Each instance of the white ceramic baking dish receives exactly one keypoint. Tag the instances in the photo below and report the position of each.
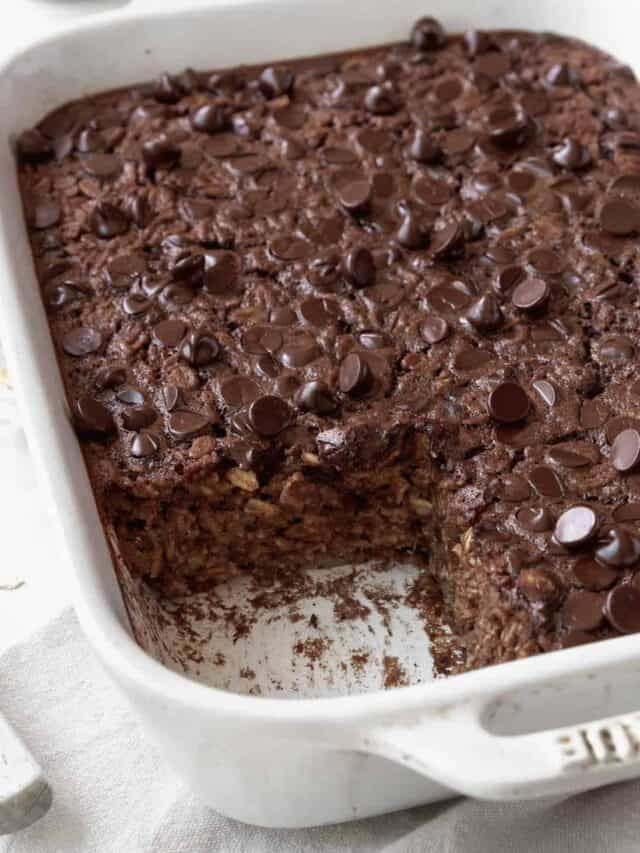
(322, 758)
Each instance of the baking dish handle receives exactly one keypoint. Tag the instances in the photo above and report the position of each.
(454, 748)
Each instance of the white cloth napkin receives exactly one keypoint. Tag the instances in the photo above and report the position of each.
(113, 794)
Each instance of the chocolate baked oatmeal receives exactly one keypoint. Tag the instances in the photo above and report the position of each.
(368, 305)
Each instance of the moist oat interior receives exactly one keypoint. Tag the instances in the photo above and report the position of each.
(360, 306)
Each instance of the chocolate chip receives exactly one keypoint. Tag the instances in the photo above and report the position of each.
(276, 81)
(90, 140)
(477, 42)
(448, 241)
(572, 155)
(540, 586)
(546, 261)
(617, 348)
(160, 153)
(546, 391)
(531, 294)
(169, 333)
(594, 576)
(221, 273)
(509, 278)
(434, 329)
(33, 147)
(567, 458)
(411, 234)
(508, 127)
(381, 100)
(627, 512)
(424, 148)
(290, 248)
(576, 526)
(546, 482)
(167, 90)
(185, 424)
(135, 304)
(514, 489)
(508, 403)
(138, 417)
(106, 220)
(316, 397)
(81, 341)
(130, 396)
(617, 548)
(143, 445)
(583, 610)
(360, 267)
(428, 34)
(430, 192)
(485, 314)
(561, 74)
(354, 196)
(261, 339)
(170, 397)
(622, 608)
(535, 519)
(93, 418)
(355, 377)
(239, 391)
(124, 271)
(111, 377)
(44, 213)
(269, 415)
(209, 118)
(199, 349)
(102, 165)
(620, 218)
(625, 451)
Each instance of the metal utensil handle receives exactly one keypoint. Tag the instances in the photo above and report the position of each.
(24, 793)
(456, 749)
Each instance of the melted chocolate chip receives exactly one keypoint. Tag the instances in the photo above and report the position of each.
(269, 415)
(138, 417)
(185, 424)
(537, 520)
(108, 221)
(434, 329)
(199, 349)
(622, 608)
(583, 610)
(381, 100)
(169, 333)
(620, 218)
(424, 148)
(82, 341)
(594, 576)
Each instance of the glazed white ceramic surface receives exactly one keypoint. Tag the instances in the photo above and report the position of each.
(517, 730)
